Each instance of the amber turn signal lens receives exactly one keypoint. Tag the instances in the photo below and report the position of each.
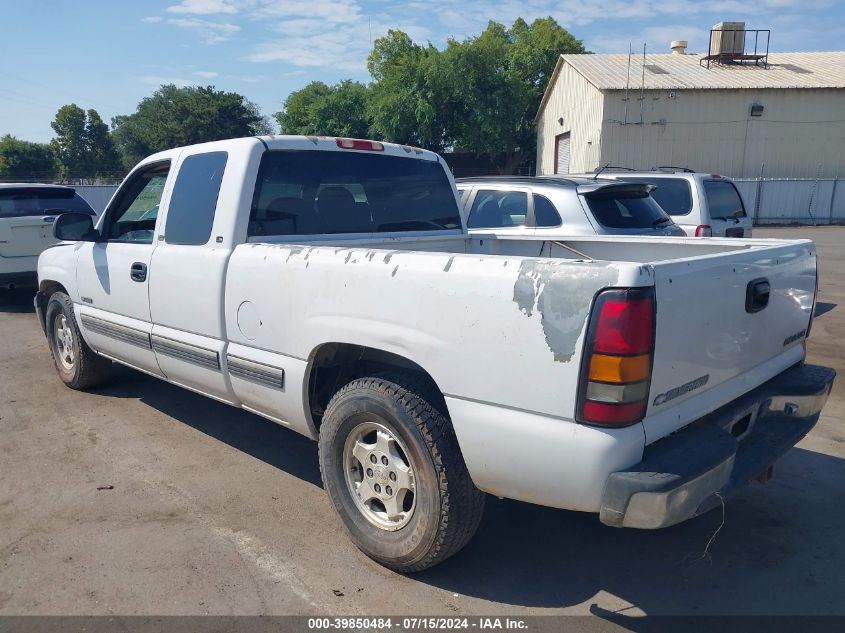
(619, 369)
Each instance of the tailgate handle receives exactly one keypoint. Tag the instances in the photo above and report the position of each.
(757, 295)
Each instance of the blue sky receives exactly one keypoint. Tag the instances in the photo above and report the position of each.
(108, 55)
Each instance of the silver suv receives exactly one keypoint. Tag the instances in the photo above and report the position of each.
(701, 204)
(556, 207)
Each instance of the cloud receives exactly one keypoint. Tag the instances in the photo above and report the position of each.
(202, 7)
(324, 34)
(211, 32)
(206, 74)
(656, 38)
(154, 80)
(152, 19)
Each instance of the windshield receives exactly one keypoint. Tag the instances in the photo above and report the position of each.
(313, 192)
(673, 194)
(723, 200)
(25, 201)
(626, 209)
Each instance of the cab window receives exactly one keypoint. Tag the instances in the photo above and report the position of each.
(132, 218)
(190, 213)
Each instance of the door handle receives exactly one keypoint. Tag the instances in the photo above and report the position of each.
(138, 272)
(757, 295)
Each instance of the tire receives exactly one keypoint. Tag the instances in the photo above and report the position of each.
(442, 512)
(78, 365)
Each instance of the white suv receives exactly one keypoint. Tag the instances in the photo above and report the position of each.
(27, 213)
(703, 205)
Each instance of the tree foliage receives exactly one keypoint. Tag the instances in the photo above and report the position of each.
(480, 94)
(83, 147)
(413, 97)
(502, 76)
(21, 160)
(318, 109)
(174, 116)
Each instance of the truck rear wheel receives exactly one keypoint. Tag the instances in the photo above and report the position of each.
(393, 470)
(78, 365)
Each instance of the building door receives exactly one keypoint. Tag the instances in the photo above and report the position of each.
(562, 153)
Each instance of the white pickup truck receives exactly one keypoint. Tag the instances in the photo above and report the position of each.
(330, 285)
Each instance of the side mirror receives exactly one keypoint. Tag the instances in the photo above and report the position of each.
(75, 227)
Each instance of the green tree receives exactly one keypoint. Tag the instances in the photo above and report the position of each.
(83, 145)
(413, 97)
(318, 109)
(70, 145)
(22, 160)
(480, 94)
(174, 116)
(502, 76)
(103, 158)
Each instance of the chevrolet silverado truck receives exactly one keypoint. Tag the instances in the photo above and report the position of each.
(330, 286)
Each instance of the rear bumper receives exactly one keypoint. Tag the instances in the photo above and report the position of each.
(685, 474)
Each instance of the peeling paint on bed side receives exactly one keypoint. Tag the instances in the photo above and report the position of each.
(562, 294)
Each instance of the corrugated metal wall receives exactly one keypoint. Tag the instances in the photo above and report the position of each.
(579, 103)
(794, 201)
(800, 134)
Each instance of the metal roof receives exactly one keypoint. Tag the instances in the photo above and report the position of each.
(665, 71)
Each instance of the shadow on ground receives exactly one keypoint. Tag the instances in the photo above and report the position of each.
(18, 300)
(823, 308)
(765, 558)
(251, 434)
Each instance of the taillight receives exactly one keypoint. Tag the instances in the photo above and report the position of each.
(703, 230)
(358, 143)
(616, 370)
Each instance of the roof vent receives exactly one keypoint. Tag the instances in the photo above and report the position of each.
(679, 47)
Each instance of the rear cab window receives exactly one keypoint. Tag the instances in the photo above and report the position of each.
(673, 194)
(498, 209)
(20, 202)
(190, 213)
(622, 208)
(723, 200)
(317, 192)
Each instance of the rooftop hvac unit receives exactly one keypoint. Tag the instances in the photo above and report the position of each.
(728, 38)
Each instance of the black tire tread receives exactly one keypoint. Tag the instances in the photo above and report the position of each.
(462, 504)
(93, 368)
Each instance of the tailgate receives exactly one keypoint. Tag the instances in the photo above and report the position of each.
(714, 339)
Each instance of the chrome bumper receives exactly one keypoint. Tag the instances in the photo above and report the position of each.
(686, 473)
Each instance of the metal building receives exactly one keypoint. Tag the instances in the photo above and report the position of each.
(780, 115)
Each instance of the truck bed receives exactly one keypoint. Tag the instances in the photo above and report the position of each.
(537, 295)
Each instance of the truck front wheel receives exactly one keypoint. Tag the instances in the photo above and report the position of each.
(78, 365)
(393, 470)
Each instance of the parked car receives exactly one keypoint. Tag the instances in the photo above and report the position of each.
(554, 207)
(330, 285)
(703, 205)
(27, 212)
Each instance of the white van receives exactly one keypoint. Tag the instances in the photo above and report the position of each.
(703, 205)
(27, 213)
